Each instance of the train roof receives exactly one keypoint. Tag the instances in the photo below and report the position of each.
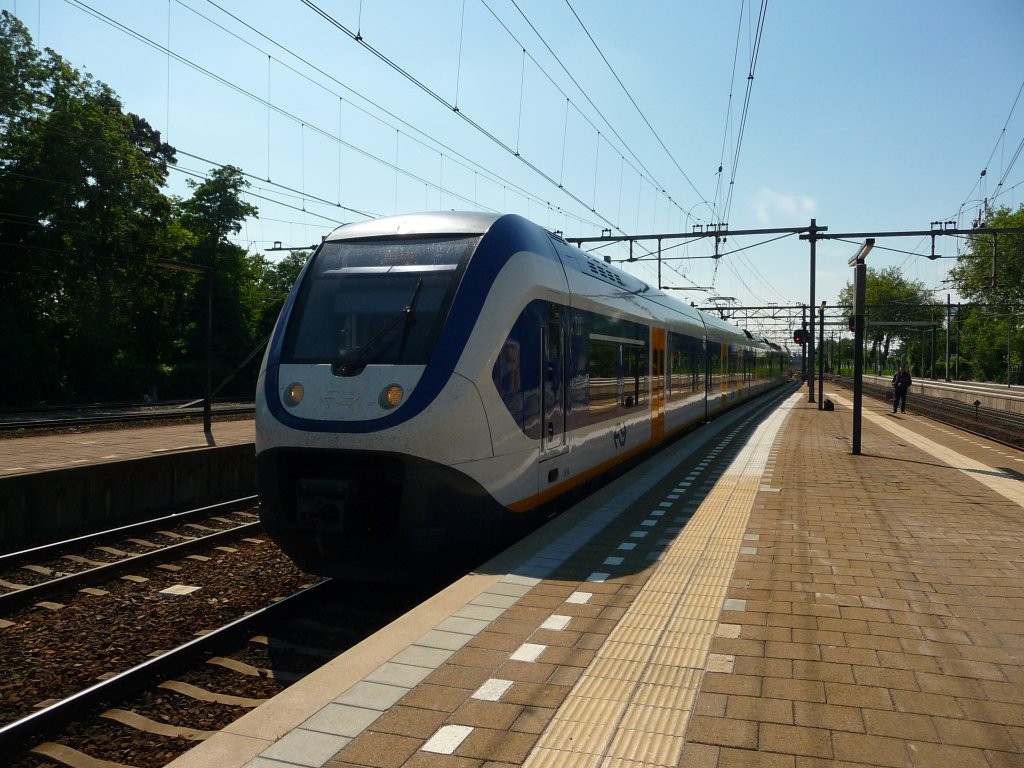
(441, 222)
(478, 223)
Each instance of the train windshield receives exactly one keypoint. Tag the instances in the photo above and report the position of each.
(375, 301)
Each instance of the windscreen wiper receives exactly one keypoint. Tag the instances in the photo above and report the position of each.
(354, 361)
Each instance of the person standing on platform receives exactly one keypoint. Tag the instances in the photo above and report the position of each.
(900, 384)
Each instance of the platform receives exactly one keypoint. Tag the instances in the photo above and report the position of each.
(39, 453)
(788, 604)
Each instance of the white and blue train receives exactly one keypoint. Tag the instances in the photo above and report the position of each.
(435, 380)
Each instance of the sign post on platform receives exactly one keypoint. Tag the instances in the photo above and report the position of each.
(860, 283)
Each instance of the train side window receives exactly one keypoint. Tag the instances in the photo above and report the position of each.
(604, 381)
(686, 365)
(634, 369)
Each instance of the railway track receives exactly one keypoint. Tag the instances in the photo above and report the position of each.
(65, 566)
(135, 671)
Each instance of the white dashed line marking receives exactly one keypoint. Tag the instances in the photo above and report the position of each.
(447, 739)
(528, 652)
(556, 622)
(492, 690)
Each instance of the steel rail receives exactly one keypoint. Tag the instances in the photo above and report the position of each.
(11, 559)
(19, 597)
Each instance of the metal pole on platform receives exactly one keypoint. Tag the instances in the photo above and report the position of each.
(949, 327)
(813, 231)
(821, 357)
(860, 279)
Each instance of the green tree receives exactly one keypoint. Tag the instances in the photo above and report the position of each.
(891, 301)
(81, 227)
(990, 274)
(215, 211)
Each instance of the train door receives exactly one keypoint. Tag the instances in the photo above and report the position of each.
(553, 389)
(657, 384)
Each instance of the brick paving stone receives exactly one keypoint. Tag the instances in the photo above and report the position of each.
(436, 697)
(378, 750)
(998, 712)
(997, 691)
(954, 686)
(843, 695)
(486, 714)
(794, 690)
(711, 704)
(927, 703)
(533, 720)
(758, 667)
(526, 672)
(824, 671)
(872, 750)
(564, 676)
(722, 732)
(746, 758)
(536, 695)
(830, 716)
(570, 657)
(885, 678)
(699, 755)
(495, 641)
(498, 745)
(759, 709)
(409, 721)
(967, 733)
(949, 755)
(742, 685)
(458, 676)
(794, 740)
(1004, 759)
(909, 661)
(432, 760)
(479, 657)
(900, 725)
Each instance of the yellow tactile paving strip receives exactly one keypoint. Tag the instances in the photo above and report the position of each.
(632, 705)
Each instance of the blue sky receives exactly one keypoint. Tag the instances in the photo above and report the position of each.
(867, 116)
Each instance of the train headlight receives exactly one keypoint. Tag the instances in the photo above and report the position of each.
(293, 394)
(391, 396)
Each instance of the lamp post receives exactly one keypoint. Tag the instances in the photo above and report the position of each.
(182, 266)
(860, 275)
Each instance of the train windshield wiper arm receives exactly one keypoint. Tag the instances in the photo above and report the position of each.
(353, 362)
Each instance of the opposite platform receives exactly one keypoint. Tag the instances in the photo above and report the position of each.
(799, 606)
(41, 453)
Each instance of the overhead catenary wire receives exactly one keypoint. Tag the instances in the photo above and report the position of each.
(271, 106)
(633, 102)
(626, 148)
(984, 171)
(453, 154)
(452, 108)
(755, 52)
(258, 99)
